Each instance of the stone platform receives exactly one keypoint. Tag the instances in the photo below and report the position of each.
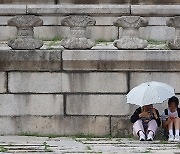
(64, 145)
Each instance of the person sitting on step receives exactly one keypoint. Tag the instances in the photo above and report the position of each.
(145, 122)
(171, 120)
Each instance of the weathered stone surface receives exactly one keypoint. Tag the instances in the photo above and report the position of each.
(172, 79)
(97, 105)
(67, 82)
(98, 10)
(35, 82)
(121, 126)
(25, 34)
(3, 82)
(12, 9)
(7, 32)
(174, 22)
(27, 2)
(143, 60)
(77, 38)
(102, 33)
(155, 10)
(60, 125)
(95, 82)
(39, 60)
(130, 37)
(159, 33)
(19, 105)
(156, 21)
(51, 32)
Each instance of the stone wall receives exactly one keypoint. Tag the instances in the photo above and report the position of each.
(102, 30)
(82, 90)
(70, 92)
(89, 1)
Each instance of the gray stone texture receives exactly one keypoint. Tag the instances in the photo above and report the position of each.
(124, 60)
(30, 60)
(155, 10)
(97, 105)
(25, 35)
(3, 82)
(77, 38)
(91, 9)
(20, 105)
(130, 37)
(57, 125)
(67, 82)
(174, 22)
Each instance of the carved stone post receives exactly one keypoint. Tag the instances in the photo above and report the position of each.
(130, 37)
(174, 22)
(77, 38)
(25, 35)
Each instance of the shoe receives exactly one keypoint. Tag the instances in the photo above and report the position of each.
(142, 137)
(149, 137)
(176, 138)
(171, 138)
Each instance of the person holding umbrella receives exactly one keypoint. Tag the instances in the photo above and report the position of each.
(171, 120)
(145, 122)
(146, 119)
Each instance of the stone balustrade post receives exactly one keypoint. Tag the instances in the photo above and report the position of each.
(77, 38)
(174, 22)
(25, 32)
(130, 37)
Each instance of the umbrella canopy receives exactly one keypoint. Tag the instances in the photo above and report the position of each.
(150, 93)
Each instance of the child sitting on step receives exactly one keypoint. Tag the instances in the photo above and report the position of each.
(171, 120)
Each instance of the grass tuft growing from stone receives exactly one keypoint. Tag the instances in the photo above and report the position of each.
(3, 149)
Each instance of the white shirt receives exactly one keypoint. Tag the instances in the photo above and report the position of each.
(173, 114)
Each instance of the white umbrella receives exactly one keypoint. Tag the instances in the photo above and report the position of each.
(150, 93)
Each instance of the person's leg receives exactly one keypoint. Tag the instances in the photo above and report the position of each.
(177, 128)
(170, 129)
(138, 130)
(151, 131)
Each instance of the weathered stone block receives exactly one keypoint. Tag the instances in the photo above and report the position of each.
(29, 1)
(51, 32)
(97, 105)
(172, 79)
(157, 33)
(75, 82)
(121, 126)
(3, 82)
(35, 82)
(7, 32)
(39, 60)
(156, 21)
(104, 33)
(12, 9)
(143, 60)
(94, 82)
(98, 10)
(155, 10)
(19, 105)
(59, 125)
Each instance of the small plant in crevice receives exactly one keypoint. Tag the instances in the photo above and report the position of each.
(46, 147)
(3, 149)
